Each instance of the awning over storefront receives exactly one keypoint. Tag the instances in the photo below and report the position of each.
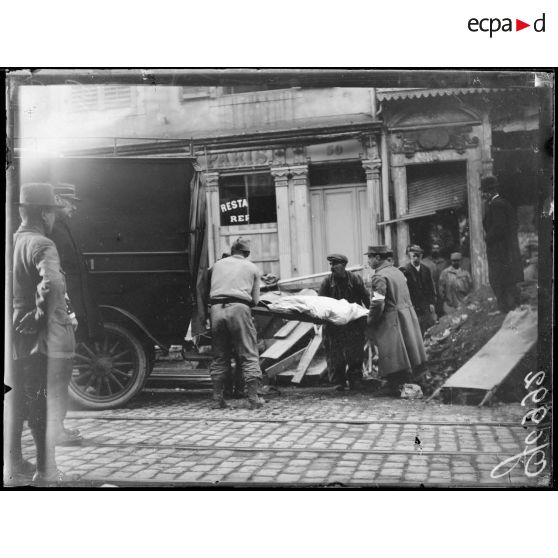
(405, 93)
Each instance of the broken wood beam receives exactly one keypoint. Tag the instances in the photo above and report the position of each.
(287, 363)
(282, 346)
(286, 330)
(307, 358)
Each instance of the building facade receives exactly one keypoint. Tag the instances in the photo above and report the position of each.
(304, 172)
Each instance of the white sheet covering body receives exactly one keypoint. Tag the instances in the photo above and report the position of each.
(338, 312)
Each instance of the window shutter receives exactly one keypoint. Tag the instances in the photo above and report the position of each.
(444, 189)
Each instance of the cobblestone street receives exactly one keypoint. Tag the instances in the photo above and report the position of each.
(304, 436)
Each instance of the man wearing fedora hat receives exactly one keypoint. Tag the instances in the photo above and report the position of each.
(344, 345)
(392, 322)
(505, 268)
(421, 288)
(43, 336)
(89, 322)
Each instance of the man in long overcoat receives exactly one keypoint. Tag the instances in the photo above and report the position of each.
(421, 288)
(89, 322)
(505, 268)
(392, 322)
(43, 337)
(344, 344)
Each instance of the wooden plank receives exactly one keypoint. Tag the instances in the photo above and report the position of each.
(247, 232)
(281, 346)
(287, 364)
(490, 366)
(318, 367)
(307, 357)
(286, 330)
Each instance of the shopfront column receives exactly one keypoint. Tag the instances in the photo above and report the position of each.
(303, 261)
(479, 265)
(281, 178)
(213, 215)
(399, 176)
(372, 168)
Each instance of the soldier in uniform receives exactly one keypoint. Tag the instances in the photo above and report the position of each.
(392, 322)
(344, 344)
(43, 337)
(234, 287)
(89, 322)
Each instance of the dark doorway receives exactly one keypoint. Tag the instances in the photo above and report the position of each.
(437, 196)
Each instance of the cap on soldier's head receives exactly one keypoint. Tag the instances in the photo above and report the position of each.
(38, 194)
(379, 250)
(240, 245)
(66, 191)
(456, 256)
(338, 258)
(415, 248)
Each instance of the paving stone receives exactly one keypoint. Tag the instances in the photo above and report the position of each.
(311, 467)
(189, 476)
(283, 477)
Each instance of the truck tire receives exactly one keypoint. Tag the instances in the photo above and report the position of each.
(108, 374)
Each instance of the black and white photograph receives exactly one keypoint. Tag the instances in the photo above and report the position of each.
(279, 278)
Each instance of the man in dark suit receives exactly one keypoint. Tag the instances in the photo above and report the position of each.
(505, 268)
(421, 288)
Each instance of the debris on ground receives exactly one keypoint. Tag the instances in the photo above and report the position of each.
(459, 335)
(508, 347)
(411, 391)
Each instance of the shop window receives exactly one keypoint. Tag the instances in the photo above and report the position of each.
(247, 199)
(337, 174)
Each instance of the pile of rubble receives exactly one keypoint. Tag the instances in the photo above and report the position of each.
(458, 336)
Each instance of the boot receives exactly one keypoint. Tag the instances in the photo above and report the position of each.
(218, 389)
(18, 474)
(53, 477)
(45, 454)
(252, 388)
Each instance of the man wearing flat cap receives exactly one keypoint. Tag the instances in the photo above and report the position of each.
(344, 345)
(392, 322)
(455, 284)
(421, 288)
(43, 337)
(505, 268)
(85, 310)
(234, 287)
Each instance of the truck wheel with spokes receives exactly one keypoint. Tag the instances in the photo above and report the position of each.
(108, 373)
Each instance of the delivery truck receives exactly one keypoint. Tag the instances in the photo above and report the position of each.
(141, 228)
